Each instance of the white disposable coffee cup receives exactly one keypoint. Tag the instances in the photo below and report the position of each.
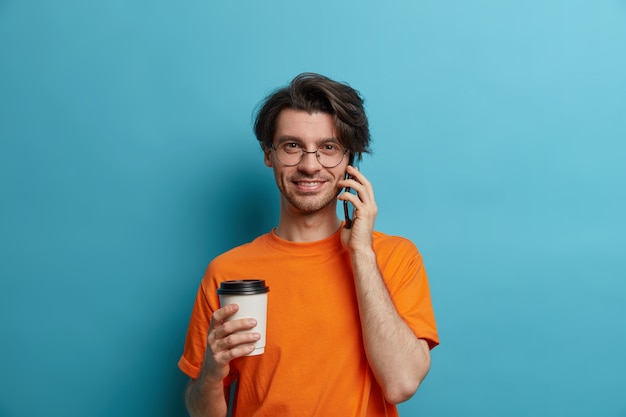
(251, 297)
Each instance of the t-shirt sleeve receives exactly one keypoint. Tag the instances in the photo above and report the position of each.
(195, 343)
(207, 301)
(405, 276)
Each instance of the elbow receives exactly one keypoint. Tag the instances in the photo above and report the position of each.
(400, 393)
(402, 388)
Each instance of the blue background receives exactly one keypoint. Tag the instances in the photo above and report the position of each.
(127, 162)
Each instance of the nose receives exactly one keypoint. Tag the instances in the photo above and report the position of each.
(309, 162)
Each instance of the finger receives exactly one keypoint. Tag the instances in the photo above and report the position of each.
(238, 339)
(351, 197)
(359, 190)
(356, 174)
(218, 320)
(234, 353)
(221, 359)
(220, 346)
(364, 193)
(355, 179)
(234, 326)
(221, 314)
(235, 345)
(360, 178)
(362, 186)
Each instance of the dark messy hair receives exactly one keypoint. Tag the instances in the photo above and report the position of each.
(316, 93)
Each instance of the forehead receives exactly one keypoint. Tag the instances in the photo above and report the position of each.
(305, 127)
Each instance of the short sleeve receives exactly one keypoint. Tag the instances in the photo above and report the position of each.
(404, 273)
(207, 301)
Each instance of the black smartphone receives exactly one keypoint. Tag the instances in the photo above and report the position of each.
(348, 208)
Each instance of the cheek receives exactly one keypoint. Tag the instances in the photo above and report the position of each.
(341, 173)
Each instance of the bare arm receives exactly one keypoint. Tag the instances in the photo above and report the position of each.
(399, 360)
(206, 396)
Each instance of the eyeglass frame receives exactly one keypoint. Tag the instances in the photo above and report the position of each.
(317, 156)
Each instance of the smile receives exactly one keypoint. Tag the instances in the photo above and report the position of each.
(309, 185)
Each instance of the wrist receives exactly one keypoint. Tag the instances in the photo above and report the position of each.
(363, 255)
(210, 382)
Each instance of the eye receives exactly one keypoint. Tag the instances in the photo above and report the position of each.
(291, 147)
(330, 148)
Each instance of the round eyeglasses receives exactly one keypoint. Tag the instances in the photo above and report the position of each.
(328, 154)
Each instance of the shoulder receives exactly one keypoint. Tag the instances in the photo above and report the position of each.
(389, 244)
(400, 263)
(238, 255)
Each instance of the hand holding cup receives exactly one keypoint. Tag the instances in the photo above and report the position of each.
(251, 298)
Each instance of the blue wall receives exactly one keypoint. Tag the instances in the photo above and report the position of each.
(127, 162)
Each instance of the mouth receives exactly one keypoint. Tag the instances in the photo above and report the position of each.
(309, 185)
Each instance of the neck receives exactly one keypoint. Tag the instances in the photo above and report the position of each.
(308, 227)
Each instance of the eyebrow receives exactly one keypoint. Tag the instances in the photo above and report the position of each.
(288, 138)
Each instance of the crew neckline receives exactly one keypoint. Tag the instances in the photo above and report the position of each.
(331, 243)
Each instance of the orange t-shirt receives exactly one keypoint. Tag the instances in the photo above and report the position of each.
(314, 362)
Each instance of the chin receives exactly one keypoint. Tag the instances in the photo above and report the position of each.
(309, 205)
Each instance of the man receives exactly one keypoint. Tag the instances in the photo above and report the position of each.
(350, 323)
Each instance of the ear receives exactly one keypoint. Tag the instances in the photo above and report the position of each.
(268, 157)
